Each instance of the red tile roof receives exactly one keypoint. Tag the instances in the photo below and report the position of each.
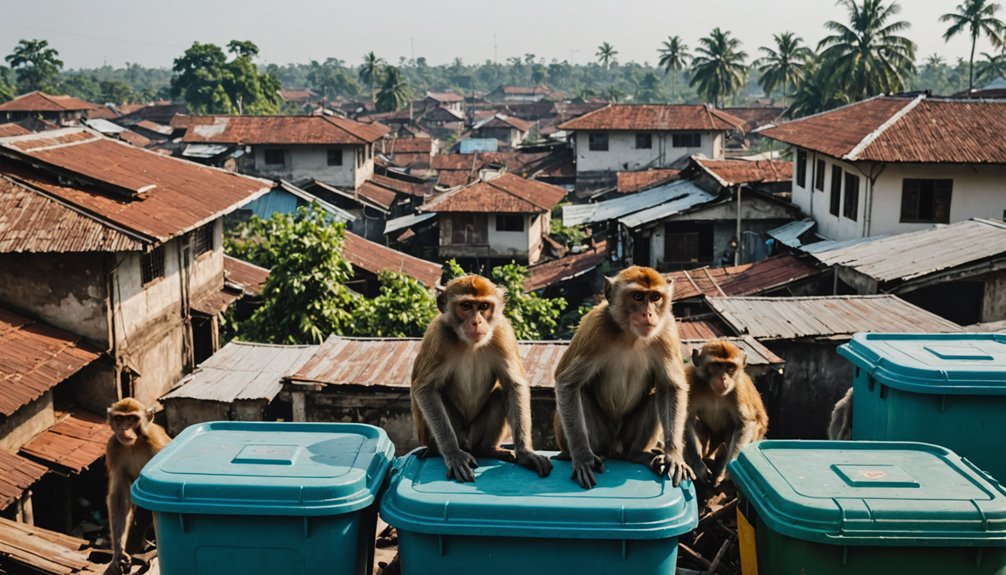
(150, 194)
(248, 276)
(732, 172)
(291, 130)
(17, 475)
(74, 443)
(42, 102)
(34, 358)
(565, 268)
(657, 117)
(898, 129)
(375, 258)
(505, 193)
(629, 182)
(13, 129)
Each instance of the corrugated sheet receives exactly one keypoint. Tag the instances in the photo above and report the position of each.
(401, 186)
(216, 301)
(376, 194)
(253, 130)
(703, 329)
(916, 254)
(337, 213)
(11, 129)
(789, 234)
(34, 358)
(408, 221)
(734, 172)
(103, 126)
(566, 268)
(770, 274)
(376, 258)
(658, 117)
(619, 207)
(693, 198)
(507, 193)
(702, 281)
(248, 276)
(30, 549)
(836, 317)
(242, 371)
(17, 475)
(629, 182)
(74, 443)
(42, 102)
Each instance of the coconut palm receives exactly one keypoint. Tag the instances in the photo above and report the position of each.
(605, 54)
(815, 94)
(783, 65)
(867, 56)
(370, 72)
(976, 17)
(673, 56)
(394, 91)
(992, 66)
(719, 70)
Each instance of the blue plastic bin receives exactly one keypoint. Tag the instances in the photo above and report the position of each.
(251, 497)
(947, 389)
(511, 521)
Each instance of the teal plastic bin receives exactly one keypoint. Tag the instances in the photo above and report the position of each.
(947, 389)
(866, 508)
(250, 497)
(510, 521)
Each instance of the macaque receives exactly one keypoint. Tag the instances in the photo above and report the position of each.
(841, 418)
(620, 386)
(723, 408)
(468, 383)
(136, 440)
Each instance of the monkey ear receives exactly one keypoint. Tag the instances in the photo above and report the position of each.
(695, 356)
(608, 287)
(744, 359)
(150, 414)
(442, 302)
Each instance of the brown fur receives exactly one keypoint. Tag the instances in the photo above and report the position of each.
(620, 386)
(840, 427)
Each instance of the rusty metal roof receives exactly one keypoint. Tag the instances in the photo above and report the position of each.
(506, 193)
(387, 362)
(408, 146)
(17, 475)
(42, 102)
(152, 195)
(247, 276)
(656, 117)
(216, 301)
(703, 329)
(444, 96)
(290, 130)
(34, 358)
(30, 549)
(505, 121)
(628, 182)
(566, 268)
(744, 279)
(11, 129)
(828, 317)
(375, 258)
(733, 172)
(74, 443)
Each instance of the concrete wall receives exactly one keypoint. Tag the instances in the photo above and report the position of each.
(994, 302)
(311, 162)
(622, 153)
(521, 246)
(183, 412)
(24, 424)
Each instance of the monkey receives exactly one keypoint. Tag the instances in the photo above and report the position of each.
(468, 383)
(724, 407)
(841, 418)
(620, 386)
(135, 440)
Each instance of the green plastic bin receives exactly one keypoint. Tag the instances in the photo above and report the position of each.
(947, 389)
(251, 497)
(866, 508)
(510, 521)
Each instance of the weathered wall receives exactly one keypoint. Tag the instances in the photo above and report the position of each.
(622, 154)
(94, 387)
(815, 378)
(311, 162)
(183, 412)
(27, 422)
(994, 302)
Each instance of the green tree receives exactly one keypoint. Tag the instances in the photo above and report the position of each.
(719, 70)
(116, 92)
(606, 54)
(648, 90)
(783, 65)
(394, 91)
(532, 316)
(673, 56)
(815, 94)
(370, 72)
(868, 56)
(36, 64)
(613, 95)
(991, 66)
(975, 17)
(210, 84)
(403, 309)
(249, 91)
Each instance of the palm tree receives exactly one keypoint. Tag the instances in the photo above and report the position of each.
(394, 91)
(605, 54)
(673, 56)
(785, 64)
(868, 56)
(370, 72)
(992, 66)
(977, 17)
(815, 94)
(719, 70)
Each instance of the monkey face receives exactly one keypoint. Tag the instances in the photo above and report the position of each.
(721, 377)
(646, 313)
(125, 427)
(475, 320)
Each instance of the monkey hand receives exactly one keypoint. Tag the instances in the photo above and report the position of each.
(584, 468)
(672, 464)
(534, 461)
(460, 465)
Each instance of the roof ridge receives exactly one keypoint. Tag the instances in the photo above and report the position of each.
(874, 135)
(330, 119)
(801, 119)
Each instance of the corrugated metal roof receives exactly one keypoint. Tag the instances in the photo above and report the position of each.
(789, 234)
(388, 362)
(247, 276)
(242, 371)
(732, 172)
(703, 329)
(916, 254)
(565, 268)
(408, 221)
(613, 209)
(629, 182)
(30, 549)
(103, 126)
(42, 102)
(12, 129)
(655, 117)
(376, 258)
(74, 443)
(336, 212)
(691, 199)
(836, 317)
(204, 151)
(316, 130)
(17, 475)
(507, 193)
(216, 301)
(34, 358)
(770, 274)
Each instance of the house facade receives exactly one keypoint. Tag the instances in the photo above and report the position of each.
(60, 110)
(509, 131)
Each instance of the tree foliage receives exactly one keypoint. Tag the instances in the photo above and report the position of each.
(403, 308)
(394, 92)
(370, 73)
(975, 18)
(36, 64)
(606, 54)
(783, 65)
(210, 84)
(718, 71)
(674, 57)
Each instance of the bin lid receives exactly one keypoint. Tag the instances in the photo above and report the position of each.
(628, 502)
(264, 468)
(938, 363)
(871, 493)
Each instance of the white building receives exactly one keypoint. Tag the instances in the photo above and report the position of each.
(890, 165)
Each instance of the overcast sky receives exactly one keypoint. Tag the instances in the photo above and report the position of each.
(89, 33)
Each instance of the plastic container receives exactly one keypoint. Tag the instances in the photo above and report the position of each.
(252, 497)
(947, 389)
(868, 508)
(511, 521)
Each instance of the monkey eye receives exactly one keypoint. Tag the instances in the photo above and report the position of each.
(731, 368)
(655, 296)
(466, 305)
(483, 306)
(638, 296)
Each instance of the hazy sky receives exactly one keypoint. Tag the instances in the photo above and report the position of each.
(89, 33)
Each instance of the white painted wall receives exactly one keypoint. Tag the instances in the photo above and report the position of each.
(311, 162)
(622, 154)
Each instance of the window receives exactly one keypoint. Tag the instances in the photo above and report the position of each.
(686, 140)
(469, 229)
(819, 175)
(509, 222)
(836, 189)
(644, 141)
(334, 157)
(152, 265)
(850, 208)
(275, 157)
(202, 239)
(926, 201)
(801, 168)
(597, 142)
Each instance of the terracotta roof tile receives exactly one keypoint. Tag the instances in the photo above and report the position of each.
(42, 102)
(629, 182)
(505, 193)
(248, 276)
(733, 172)
(375, 258)
(292, 130)
(655, 117)
(17, 475)
(74, 443)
